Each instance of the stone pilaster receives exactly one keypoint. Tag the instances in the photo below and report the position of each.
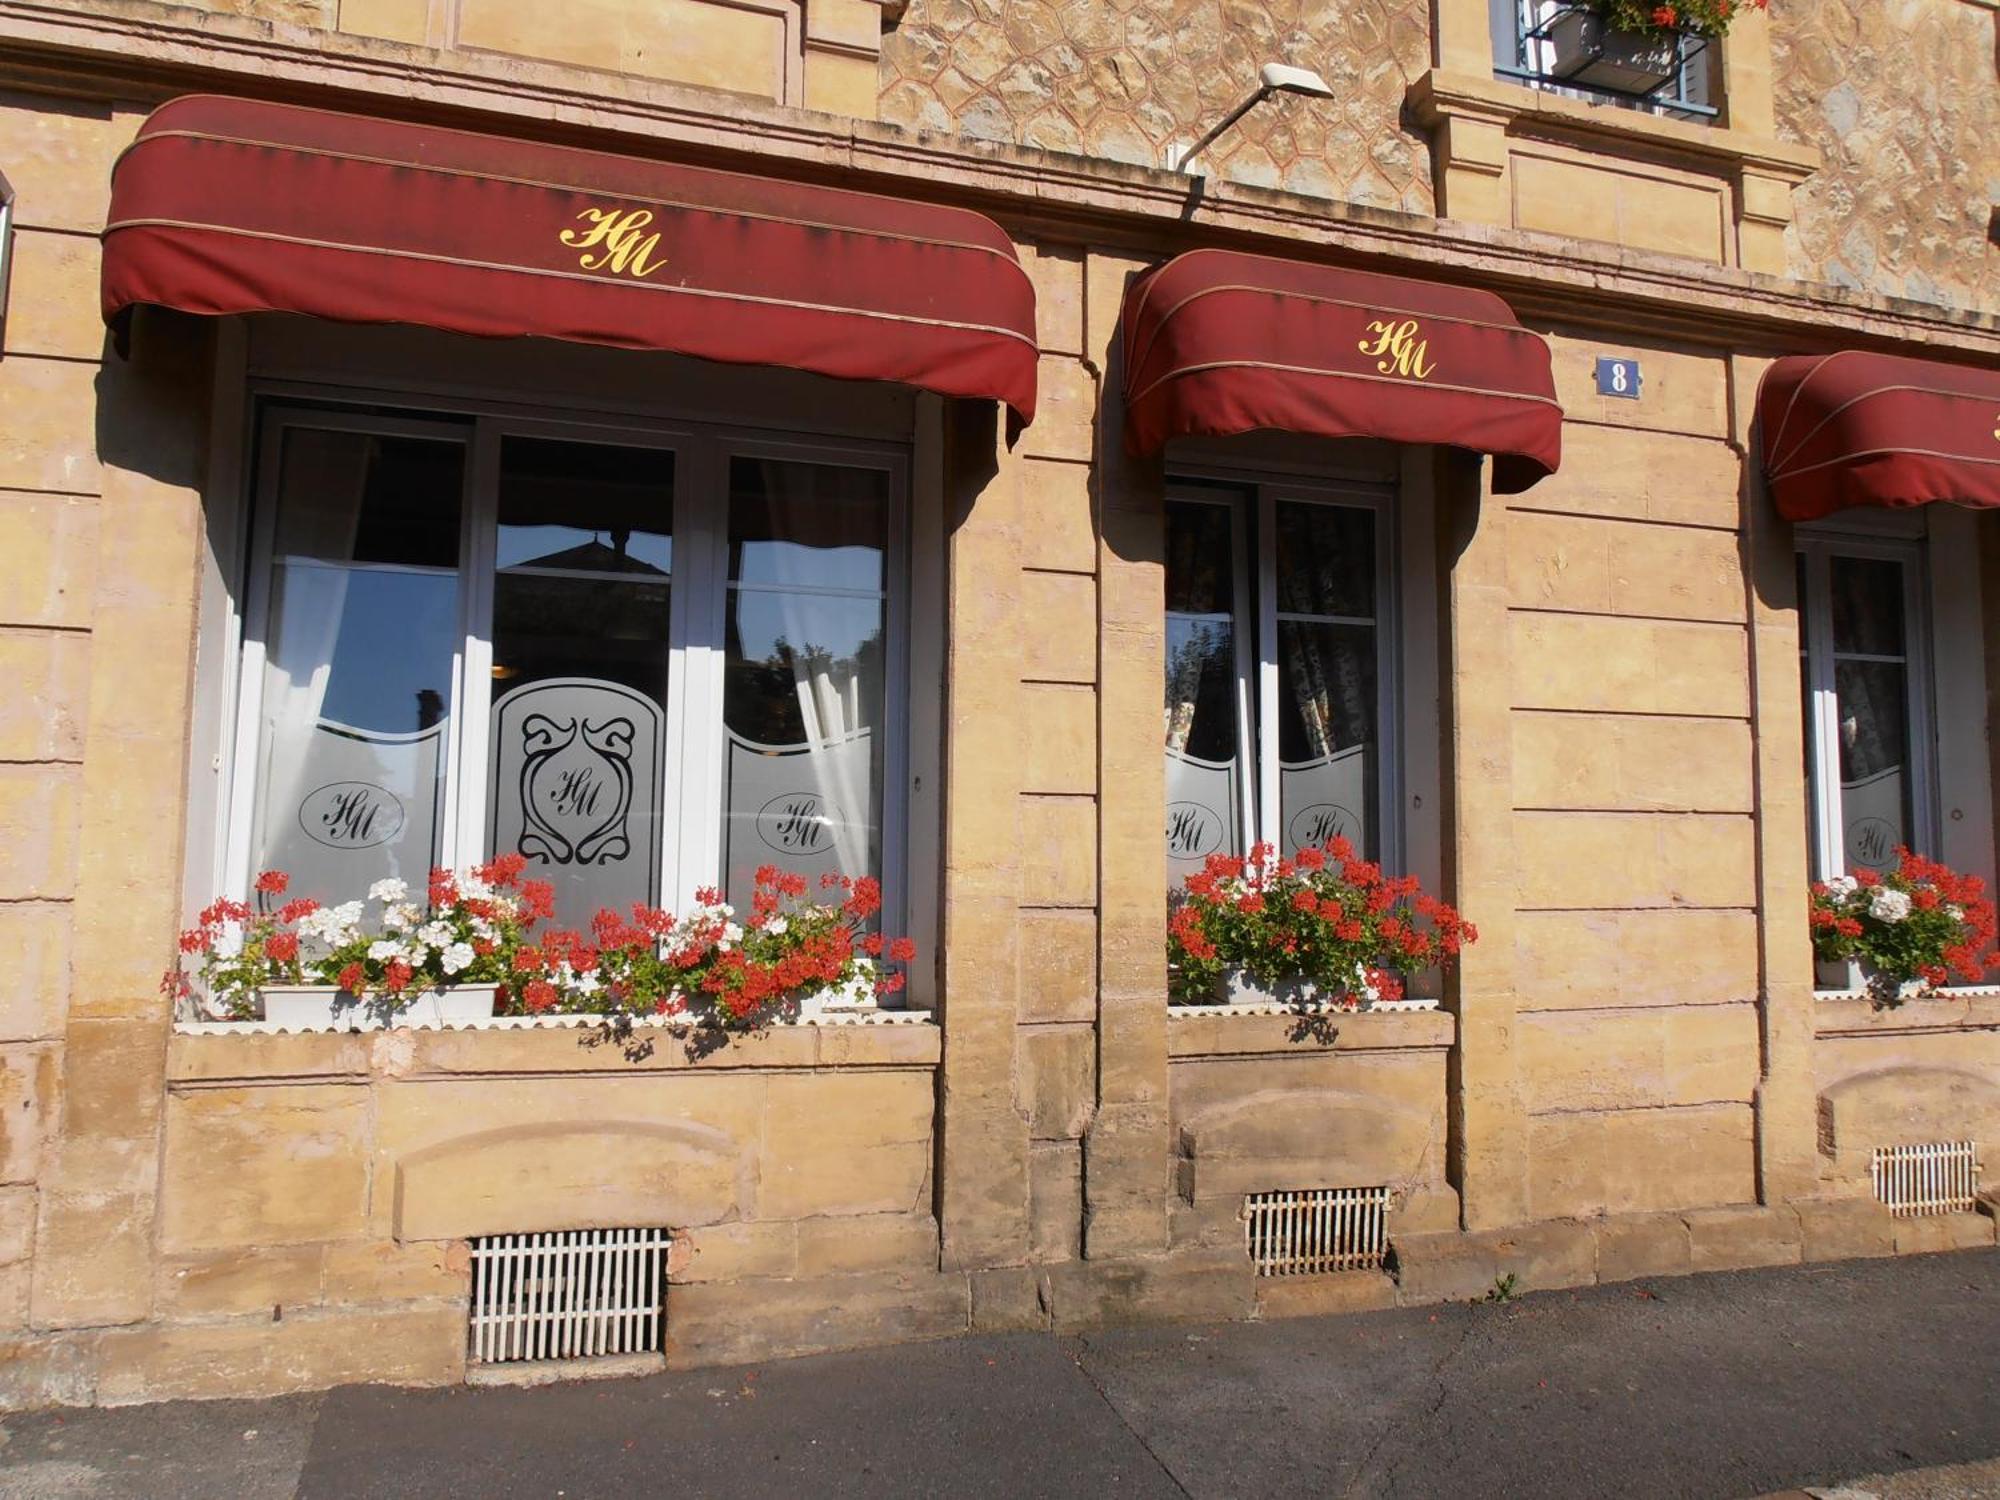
(1489, 1125)
(1787, 1120)
(983, 1154)
(1126, 1152)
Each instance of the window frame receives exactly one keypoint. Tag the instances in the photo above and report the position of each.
(1816, 546)
(1255, 627)
(1525, 53)
(691, 849)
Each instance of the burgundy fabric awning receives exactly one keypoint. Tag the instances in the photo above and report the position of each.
(1875, 429)
(235, 206)
(1219, 342)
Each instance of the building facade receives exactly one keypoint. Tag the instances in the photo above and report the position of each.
(327, 489)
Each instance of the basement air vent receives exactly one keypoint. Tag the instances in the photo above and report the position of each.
(1310, 1231)
(1940, 1177)
(568, 1294)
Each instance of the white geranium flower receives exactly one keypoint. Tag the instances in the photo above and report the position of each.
(1956, 913)
(391, 890)
(401, 918)
(456, 958)
(1842, 886)
(384, 950)
(484, 930)
(586, 984)
(1886, 905)
(322, 926)
(471, 886)
(436, 934)
(776, 926)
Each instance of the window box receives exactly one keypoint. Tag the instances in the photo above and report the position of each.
(1583, 49)
(321, 1007)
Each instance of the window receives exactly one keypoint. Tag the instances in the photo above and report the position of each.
(1534, 42)
(1280, 720)
(648, 660)
(1866, 695)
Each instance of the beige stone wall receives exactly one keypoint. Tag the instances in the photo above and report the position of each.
(1636, 924)
(317, 1194)
(1903, 98)
(1620, 774)
(1262, 1104)
(99, 519)
(819, 54)
(1124, 79)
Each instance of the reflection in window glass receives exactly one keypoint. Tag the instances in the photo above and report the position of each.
(1205, 762)
(580, 656)
(804, 674)
(1870, 689)
(1327, 684)
(360, 648)
(1857, 609)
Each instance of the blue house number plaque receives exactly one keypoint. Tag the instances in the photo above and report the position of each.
(1618, 377)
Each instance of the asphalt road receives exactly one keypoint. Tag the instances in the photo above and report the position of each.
(1724, 1386)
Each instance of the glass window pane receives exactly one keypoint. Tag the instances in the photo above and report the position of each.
(586, 506)
(1326, 560)
(1874, 761)
(804, 671)
(1327, 740)
(1205, 764)
(360, 647)
(581, 610)
(360, 497)
(813, 525)
(1201, 558)
(1867, 605)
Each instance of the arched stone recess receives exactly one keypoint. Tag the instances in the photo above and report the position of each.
(1309, 1138)
(601, 1175)
(1902, 1106)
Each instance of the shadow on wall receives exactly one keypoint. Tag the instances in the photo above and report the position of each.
(153, 402)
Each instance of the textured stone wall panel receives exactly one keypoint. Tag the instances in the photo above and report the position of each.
(1124, 79)
(1903, 99)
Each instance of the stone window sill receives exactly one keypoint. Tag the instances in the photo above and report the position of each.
(1439, 97)
(221, 1053)
(1851, 1013)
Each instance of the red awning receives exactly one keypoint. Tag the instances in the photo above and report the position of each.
(1218, 342)
(1874, 429)
(235, 206)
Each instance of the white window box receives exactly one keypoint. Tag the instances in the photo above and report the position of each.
(830, 1016)
(325, 1007)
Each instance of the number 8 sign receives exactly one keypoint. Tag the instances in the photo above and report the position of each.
(1618, 377)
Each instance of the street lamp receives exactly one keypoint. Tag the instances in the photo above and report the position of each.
(1277, 78)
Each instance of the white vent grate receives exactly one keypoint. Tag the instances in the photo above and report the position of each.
(1309, 1231)
(567, 1294)
(1939, 1177)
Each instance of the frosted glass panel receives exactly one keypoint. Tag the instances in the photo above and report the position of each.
(360, 647)
(803, 698)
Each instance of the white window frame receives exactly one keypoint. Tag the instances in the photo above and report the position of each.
(1817, 546)
(691, 849)
(1257, 639)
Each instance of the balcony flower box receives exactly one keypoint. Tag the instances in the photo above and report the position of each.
(1588, 49)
